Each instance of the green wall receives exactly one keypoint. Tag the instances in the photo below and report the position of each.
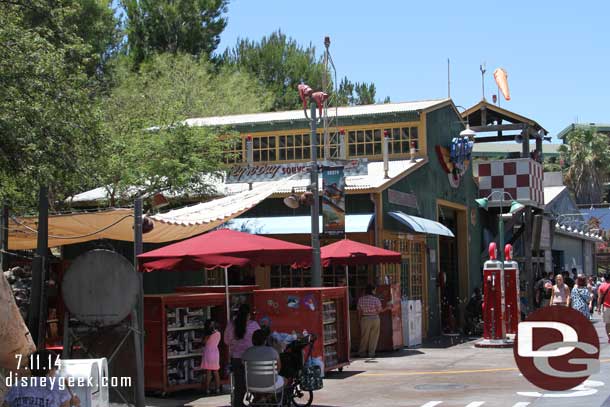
(430, 183)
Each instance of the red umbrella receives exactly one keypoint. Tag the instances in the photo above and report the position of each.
(224, 248)
(349, 253)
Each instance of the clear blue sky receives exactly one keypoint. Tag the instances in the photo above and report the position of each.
(556, 53)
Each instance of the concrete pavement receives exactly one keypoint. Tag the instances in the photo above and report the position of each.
(438, 376)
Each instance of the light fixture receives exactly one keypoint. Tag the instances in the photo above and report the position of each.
(482, 202)
(468, 132)
(516, 207)
(292, 200)
(306, 198)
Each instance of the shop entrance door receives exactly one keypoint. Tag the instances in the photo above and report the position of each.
(449, 284)
(453, 268)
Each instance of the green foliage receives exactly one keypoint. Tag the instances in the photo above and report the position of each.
(149, 145)
(587, 160)
(551, 165)
(352, 94)
(280, 64)
(48, 130)
(86, 29)
(158, 26)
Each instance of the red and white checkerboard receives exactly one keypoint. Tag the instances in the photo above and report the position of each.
(520, 177)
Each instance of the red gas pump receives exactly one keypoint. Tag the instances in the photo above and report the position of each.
(493, 298)
(512, 312)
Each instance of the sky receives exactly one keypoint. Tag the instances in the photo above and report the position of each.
(556, 53)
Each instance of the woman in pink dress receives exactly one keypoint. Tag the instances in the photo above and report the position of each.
(210, 361)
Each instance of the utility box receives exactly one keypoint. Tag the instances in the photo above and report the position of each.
(412, 322)
(93, 373)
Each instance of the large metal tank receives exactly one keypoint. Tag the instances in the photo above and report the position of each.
(100, 288)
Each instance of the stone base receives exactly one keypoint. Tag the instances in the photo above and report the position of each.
(494, 343)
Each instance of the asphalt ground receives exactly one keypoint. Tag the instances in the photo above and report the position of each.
(439, 374)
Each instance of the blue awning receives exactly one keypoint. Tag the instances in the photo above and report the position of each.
(287, 225)
(421, 225)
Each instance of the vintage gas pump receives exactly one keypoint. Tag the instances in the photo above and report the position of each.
(493, 297)
(512, 312)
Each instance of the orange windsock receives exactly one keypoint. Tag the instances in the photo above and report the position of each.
(501, 78)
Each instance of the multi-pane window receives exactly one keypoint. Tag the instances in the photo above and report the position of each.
(286, 276)
(294, 147)
(401, 139)
(365, 142)
(263, 148)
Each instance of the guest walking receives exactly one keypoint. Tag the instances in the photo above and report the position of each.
(561, 292)
(210, 360)
(581, 296)
(238, 336)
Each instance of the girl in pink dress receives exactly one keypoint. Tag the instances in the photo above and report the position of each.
(210, 361)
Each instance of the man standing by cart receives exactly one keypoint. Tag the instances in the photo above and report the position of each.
(369, 308)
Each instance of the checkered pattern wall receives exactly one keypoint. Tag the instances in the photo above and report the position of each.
(521, 177)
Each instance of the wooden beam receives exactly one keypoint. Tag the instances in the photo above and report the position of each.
(493, 139)
(498, 127)
(525, 151)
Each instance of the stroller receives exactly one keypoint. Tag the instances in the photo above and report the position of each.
(301, 380)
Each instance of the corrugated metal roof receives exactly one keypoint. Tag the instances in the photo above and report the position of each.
(601, 127)
(293, 115)
(374, 179)
(222, 208)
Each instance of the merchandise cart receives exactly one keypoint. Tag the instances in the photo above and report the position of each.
(320, 311)
(173, 324)
(238, 294)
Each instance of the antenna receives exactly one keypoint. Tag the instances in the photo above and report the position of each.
(330, 140)
(483, 70)
(448, 78)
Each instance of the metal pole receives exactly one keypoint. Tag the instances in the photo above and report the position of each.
(349, 320)
(36, 314)
(501, 231)
(4, 239)
(228, 306)
(316, 266)
(326, 140)
(138, 320)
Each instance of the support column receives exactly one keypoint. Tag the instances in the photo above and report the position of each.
(4, 238)
(37, 311)
(138, 314)
(528, 276)
(525, 152)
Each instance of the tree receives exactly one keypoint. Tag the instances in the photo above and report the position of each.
(87, 29)
(587, 157)
(280, 64)
(48, 128)
(149, 144)
(352, 94)
(188, 26)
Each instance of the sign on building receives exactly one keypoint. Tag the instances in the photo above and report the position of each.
(275, 172)
(402, 198)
